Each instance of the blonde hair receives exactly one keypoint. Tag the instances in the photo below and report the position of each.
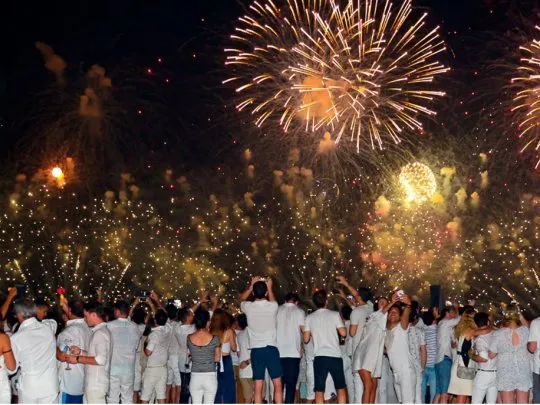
(466, 323)
(511, 314)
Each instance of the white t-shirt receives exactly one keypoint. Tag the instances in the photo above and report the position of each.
(173, 343)
(126, 337)
(534, 336)
(444, 337)
(359, 317)
(397, 348)
(100, 347)
(482, 345)
(262, 322)
(244, 353)
(77, 333)
(323, 325)
(158, 344)
(289, 339)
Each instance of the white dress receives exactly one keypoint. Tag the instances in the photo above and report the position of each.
(5, 386)
(369, 353)
(460, 386)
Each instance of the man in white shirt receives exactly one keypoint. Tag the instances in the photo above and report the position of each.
(534, 347)
(485, 382)
(183, 328)
(290, 327)
(443, 366)
(359, 316)
(43, 308)
(157, 350)
(34, 348)
(324, 326)
(126, 336)
(78, 334)
(244, 356)
(173, 372)
(97, 359)
(262, 320)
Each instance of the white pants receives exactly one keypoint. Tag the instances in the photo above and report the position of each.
(405, 383)
(5, 388)
(154, 379)
(203, 388)
(419, 373)
(386, 391)
(173, 372)
(94, 396)
(484, 386)
(347, 369)
(121, 387)
(137, 377)
(29, 398)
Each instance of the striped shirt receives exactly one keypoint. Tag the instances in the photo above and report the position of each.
(430, 333)
(203, 357)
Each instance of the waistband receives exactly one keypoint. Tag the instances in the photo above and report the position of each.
(487, 371)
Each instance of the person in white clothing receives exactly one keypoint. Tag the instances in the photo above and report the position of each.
(417, 349)
(246, 372)
(139, 317)
(361, 312)
(42, 313)
(78, 334)
(346, 352)
(485, 382)
(184, 328)
(290, 327)
(533, 346)
(34, 348)
(325, 327)
(7, 366)
(126, 336)
(443, 366)
(173, 372)
(97, 358)
(262, 331)
(397, 348)
(157, 349)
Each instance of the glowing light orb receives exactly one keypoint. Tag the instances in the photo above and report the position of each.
(57, 173)
(418, 181)
(363, 70)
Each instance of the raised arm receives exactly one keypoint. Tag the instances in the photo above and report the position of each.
(406, 312)
(343, 281)
(12, 293)
(245, 295)
(271, 296)
(136, 302)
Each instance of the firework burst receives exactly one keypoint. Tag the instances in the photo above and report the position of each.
(527, 100)
(362, 71)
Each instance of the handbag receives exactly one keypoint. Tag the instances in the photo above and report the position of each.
(466, 373)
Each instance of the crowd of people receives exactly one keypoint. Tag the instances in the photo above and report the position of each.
(371, 350)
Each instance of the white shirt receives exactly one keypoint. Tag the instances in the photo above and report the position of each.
(262, 322)
(126, 336)
(173, 342)
(51, 323)
(77, 333)
(397, 348)
(100, 347)
(181, 332)
(289, 338)
(158, 344)
(244, 353)
(534, 336)
(323, 325)
(359, 316)
(444, 337)
(482, 344)
(34, 348)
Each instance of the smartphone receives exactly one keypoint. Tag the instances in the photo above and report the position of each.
(21, 291)
(400, 293)
(144, 295)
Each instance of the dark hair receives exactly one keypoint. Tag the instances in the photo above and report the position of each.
(172, 311)
(76, 307)
(183, 314)
(398, 307)
(138, 316)
(260, 289)
(319, 298)
(365, 294)
(481, 319)
(428, 317)
(94, 306)
(466, 308)
(122, 307)
(201, 318)
(415, 311)
(292, 297)
(242, 321)
(161, 317)
(346, 311)
(41, 302)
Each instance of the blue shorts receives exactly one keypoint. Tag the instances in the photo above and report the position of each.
(265, 358)
(443, 371)
(324, 365)
(70, 399)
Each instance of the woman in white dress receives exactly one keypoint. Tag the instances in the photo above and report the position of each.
(369, 353)
(7, 363)
(464, 334)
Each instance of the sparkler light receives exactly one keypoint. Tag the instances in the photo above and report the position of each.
(57, 173)
(418, 181)
(527, 100)
(362, 71)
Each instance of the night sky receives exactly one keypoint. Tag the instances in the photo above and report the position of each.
(189, 37)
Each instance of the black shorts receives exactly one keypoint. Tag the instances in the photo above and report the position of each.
(322, 365)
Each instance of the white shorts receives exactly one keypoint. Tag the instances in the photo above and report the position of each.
(173, 372)
(154, 379)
